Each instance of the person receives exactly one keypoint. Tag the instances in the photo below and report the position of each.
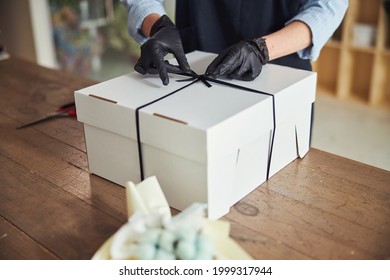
(246, 34)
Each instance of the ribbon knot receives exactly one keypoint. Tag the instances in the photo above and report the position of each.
(194, 77)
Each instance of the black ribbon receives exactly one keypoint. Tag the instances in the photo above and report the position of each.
(194, 78)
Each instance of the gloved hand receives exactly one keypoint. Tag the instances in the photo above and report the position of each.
(242, 61)
(164, 39)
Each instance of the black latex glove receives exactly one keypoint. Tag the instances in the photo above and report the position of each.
(164, 39)
(242, 61)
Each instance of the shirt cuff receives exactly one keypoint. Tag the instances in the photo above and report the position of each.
(319, 38)
(323, 21)
(136, 15)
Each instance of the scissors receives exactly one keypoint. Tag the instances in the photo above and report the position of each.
(66, 110)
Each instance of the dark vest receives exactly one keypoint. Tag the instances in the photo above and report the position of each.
(214, 25)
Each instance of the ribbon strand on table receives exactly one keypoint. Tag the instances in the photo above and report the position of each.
(194, 78)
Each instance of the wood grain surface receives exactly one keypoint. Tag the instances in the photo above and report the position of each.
(320, 207)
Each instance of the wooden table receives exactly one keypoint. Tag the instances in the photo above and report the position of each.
(319, 207)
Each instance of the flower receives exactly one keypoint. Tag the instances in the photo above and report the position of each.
(156, 235)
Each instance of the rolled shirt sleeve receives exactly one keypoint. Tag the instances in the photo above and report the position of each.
(137, 11)
(323, 17)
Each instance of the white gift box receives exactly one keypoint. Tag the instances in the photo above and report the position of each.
(210, 145)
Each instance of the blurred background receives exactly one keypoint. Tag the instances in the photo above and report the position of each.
(352, 111)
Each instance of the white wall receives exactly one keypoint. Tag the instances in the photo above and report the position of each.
(42, 33)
